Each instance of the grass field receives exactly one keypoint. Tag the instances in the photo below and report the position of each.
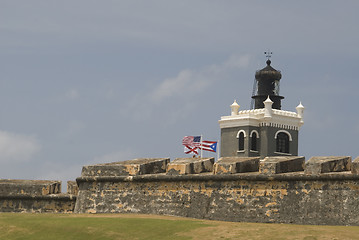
(132, 226)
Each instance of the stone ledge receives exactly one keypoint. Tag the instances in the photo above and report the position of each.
(255, 176)
(58, 197)
(181, 166)
(319, 165)
(29, 187)
(276, 165)
(133, 167)
(53, 203)
(231, 165)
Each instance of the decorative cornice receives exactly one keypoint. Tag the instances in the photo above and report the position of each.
(256, 117)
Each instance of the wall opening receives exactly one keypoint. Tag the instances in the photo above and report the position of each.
(254, 141)
(241, 141)
(282, 142)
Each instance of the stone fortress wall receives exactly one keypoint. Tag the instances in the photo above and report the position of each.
(322, 190)
(36, 196)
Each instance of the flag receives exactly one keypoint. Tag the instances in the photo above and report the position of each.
(191, 144)
(188, 150)
(192, 141)
(209, 146)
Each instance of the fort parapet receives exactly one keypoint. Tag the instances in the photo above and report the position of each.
(35, 196)
(321, 191)
(274, 189)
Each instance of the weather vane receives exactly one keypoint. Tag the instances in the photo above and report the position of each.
(268, 54)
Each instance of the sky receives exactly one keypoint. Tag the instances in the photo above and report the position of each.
(85, 82)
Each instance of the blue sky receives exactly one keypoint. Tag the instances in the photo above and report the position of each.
(85, 82)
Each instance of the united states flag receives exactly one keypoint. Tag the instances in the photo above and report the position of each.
(192, 141)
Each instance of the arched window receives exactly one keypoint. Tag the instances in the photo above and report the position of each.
(240, 141)
(282, 142)
(254, 141)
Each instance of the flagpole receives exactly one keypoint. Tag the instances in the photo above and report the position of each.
(201, 146)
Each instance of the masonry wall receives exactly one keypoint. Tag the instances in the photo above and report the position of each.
(283, 198)
(38, 204)
(35, 196)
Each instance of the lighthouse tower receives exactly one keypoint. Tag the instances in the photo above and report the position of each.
(265, 130)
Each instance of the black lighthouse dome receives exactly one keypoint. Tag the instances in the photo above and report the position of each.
(268, 72)
(267, 85)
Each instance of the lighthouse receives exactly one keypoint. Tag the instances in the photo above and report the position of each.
(265, 130)
(267, 80)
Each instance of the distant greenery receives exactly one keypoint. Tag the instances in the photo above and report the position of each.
(126, 226)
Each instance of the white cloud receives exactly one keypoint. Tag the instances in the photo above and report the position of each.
(74, 127)
(185, 88)
(190, 82)
(110, 94)
(186, 80)
(72, 94)
(68, 95)
(17, 147)
(237, 61)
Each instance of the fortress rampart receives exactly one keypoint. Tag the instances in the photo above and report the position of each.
(323, 190)
(36, 196)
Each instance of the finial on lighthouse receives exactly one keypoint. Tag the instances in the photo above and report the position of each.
(268, 56)
(268, 108)
(234, 108)
(300, 110)
(268, 101)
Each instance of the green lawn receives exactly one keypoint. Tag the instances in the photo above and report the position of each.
(126, 226)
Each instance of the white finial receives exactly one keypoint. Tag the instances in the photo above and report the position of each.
(234, 108)
(268, 108)
(300, 111)
(267, 100)
(300, 106)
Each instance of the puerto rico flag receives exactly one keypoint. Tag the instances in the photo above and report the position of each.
(209, 146)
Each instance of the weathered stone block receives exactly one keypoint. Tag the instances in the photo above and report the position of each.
(203, 165)
(275, 165)
(133, 167)
(317, 165)
(231, 165)
(355, 166)
(72, 188)
(181, 166)
(29, 187)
